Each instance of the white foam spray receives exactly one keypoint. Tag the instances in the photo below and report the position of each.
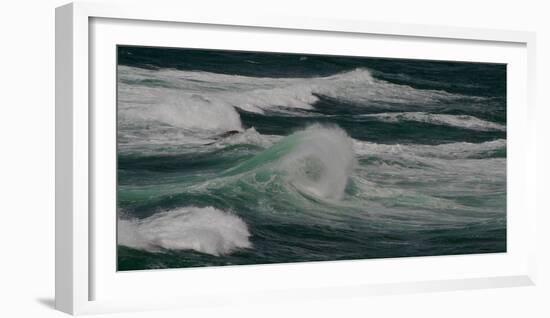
(321, 164)
(206, 230)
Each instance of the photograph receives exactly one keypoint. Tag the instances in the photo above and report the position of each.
(247, 158)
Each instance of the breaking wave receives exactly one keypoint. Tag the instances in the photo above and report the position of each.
(203, 100)
(175, 109)
(206, 230)
(316, 161)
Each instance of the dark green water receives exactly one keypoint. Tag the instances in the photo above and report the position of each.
(229, 158)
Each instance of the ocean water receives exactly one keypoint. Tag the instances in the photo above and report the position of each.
(228, 158)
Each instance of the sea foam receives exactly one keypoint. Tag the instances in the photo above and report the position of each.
(460, 121)
(206, 230)
(456, 150)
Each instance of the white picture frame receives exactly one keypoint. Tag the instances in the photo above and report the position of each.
(87, 282)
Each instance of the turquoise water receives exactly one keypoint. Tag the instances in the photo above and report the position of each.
(229, 158)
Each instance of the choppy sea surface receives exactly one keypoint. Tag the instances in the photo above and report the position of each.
(228, 158)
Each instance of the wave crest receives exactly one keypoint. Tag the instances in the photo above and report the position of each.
(181, 110)
(259, 94)
(206, 230)
(316, 161)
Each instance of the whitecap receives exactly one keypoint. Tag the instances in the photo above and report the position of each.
(205, 230)
(258, 94)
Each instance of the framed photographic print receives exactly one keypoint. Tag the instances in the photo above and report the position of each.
(277, 158)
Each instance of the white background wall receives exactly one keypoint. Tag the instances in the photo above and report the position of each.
(27, 159)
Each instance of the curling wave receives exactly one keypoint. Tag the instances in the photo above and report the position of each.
(316, 161)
